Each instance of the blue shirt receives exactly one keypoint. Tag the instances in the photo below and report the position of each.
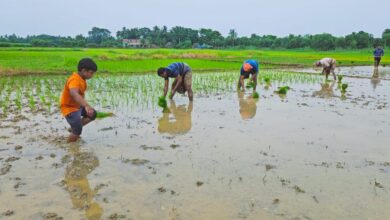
(176, 69)
(378, 52)
(255, 66)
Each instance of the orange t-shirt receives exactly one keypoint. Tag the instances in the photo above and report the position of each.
(68, 105)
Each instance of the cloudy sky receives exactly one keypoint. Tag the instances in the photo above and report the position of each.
(277, 17)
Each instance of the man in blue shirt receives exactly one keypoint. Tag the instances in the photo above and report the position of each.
(250, 67)
(182, 74)
(378, 54)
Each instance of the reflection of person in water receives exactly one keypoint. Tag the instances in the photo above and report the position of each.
(180, 124)
(77, 184)
(248, 106)
(326, 90)
(375, 78)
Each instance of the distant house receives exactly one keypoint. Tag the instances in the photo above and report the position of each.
(132, 43)
(137, 43)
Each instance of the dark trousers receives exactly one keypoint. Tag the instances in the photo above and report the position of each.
(377, 61)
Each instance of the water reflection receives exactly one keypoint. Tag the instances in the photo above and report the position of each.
(248, 106)
(178, 121)
(326, 91)
(77, 185)
(375, 80)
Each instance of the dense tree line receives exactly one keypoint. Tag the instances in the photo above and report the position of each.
(182, 37)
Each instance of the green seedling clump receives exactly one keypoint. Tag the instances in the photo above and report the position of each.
(267, 80)
(101, 115)
(328, 81)
(255, 95)
(344, 87)
(162, 102)
(339, 78)
(283, 90)
(250, 85)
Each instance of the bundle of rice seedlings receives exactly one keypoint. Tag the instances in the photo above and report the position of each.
(101, 115)
(282, 90)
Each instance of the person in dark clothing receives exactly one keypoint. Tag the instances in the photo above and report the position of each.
(378, 54)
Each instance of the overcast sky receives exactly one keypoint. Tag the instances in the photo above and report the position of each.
(277, 17)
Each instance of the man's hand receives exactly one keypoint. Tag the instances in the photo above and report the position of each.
(89, 110)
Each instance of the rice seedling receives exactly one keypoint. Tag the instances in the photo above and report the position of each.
(282, 90)
(18, 100)
(267, 81)
(32, 102)
(255, 95)
(250, 85)
(339, 78)
(101, 115)
(328, 81)
(43, 99)
(162, 102)
(344, 87)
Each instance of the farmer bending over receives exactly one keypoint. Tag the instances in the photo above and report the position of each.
(328, 65)
(182, 74)
(250, 67)
(74, 108)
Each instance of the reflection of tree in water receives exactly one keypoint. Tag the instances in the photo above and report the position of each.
(326, 90)
(180, 123)
(375, 78)
(77, 184)
(248, 106)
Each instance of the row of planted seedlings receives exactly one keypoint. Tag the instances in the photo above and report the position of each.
(123, 92)
(281, 77)
(28, 94)
(110, 92)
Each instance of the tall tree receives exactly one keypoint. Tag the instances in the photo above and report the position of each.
(99, 35)
(232, 37)
(386, 37)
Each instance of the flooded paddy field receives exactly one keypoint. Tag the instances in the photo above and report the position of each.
(314, 153)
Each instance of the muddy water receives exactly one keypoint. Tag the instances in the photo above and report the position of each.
(311, 154)
(357, 71)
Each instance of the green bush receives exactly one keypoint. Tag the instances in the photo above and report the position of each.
(5, 44)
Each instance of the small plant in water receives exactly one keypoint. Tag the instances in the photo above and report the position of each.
(339, 78)
(328, 81)
(162, 102)
(344, 87)
(250, 85)
(283, 90)
(267, 80)
(255, 95)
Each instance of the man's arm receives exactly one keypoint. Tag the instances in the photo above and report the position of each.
(179, 79)
(166, 85)
(242, 82)
(81, 101)
(254, 82)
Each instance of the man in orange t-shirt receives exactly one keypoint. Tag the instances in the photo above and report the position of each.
(74, 107)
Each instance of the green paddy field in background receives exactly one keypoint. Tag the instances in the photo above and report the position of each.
(16, 61)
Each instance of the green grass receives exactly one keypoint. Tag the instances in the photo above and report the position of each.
(15, 60)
